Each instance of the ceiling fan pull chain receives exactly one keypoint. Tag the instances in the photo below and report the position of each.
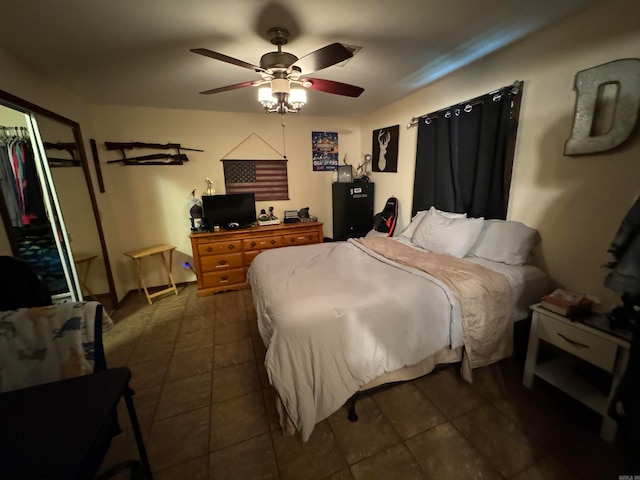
(284, 144)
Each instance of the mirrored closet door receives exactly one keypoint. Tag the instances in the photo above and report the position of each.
(48, 207)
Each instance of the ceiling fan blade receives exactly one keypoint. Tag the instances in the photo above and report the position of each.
(337, 88)
(227, 88)
(227, 59)
(323, 58)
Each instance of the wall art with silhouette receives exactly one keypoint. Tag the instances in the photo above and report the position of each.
(385, 149)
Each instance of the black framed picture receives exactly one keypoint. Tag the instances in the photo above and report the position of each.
(385, 149)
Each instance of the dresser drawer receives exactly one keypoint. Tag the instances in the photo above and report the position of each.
(218, 248)
(302, 238)
(591, 348)
(211, 263)
(249, 256)
(220, 279)
(261, 243)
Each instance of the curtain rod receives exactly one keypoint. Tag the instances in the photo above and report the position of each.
(515, 88)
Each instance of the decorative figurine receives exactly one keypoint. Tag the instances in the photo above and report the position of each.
(210, 189)
(271, 215)
(303, 212)
(195, 211)
(263, 217)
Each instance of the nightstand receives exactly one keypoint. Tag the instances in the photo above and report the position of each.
(585, 359)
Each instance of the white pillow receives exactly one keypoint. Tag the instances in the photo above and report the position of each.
(415, 221)
(442, 234)
(505, 241)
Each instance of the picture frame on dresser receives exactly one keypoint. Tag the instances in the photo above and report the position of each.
(345, 174)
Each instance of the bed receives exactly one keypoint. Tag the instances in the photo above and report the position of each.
(342, 317)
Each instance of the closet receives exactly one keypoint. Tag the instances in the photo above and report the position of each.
(47, 202)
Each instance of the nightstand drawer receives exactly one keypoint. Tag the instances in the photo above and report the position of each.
(591, 348)
(262, 243)
(219, 247)
(220, 279)
(212, 263)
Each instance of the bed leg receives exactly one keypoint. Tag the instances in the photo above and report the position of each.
(351, 408)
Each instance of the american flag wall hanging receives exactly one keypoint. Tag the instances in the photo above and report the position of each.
(267, 179)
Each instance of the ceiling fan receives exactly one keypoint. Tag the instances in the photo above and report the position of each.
(281, 70)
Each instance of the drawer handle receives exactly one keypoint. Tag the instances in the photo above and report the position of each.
(209, 249)
(231, 247)
(253, 244)
(223, 278)
(273, 242)
(292, 240)
(222, 263)
(310, 237)
(573, 342)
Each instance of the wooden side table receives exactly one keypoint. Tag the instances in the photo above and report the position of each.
(83, 262)
(588, 341)
(138, 255)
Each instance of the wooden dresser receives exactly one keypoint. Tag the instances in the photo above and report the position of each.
(221, 259)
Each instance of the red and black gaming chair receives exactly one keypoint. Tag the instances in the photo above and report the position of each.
(385, 221)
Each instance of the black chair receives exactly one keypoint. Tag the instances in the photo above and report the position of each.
(21, 287)
(385, 221)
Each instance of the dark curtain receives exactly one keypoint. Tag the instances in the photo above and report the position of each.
(464, 156)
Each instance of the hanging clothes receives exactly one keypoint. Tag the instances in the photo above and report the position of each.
(9, 187)
(19, 178)
(33, 234)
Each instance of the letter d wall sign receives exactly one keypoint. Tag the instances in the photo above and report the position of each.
(624, 75)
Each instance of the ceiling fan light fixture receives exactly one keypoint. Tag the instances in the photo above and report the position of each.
(298, 98)
(280, 70)
(281, 98)
(280, 85)
(266, 98)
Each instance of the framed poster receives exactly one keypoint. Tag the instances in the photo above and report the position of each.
(385, 149)
(324, 151)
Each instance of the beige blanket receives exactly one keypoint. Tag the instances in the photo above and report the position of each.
(484, 296)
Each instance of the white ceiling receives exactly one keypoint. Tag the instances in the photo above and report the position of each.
(136, 52)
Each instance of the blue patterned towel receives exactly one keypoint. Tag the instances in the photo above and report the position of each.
(46, 344)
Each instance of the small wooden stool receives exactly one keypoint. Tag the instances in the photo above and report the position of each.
(83, 262)
(137, 255)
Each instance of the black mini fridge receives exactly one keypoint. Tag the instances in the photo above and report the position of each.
(352, 209)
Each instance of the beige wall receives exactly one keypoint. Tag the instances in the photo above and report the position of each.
(150, 204)
(575, 203)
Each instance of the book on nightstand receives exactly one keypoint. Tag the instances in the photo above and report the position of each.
(567, 303)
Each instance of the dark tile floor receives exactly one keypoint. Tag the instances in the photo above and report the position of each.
(207, 411)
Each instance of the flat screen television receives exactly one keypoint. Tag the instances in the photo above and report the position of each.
(234, 210)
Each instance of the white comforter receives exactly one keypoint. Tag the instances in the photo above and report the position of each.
(335, 316)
